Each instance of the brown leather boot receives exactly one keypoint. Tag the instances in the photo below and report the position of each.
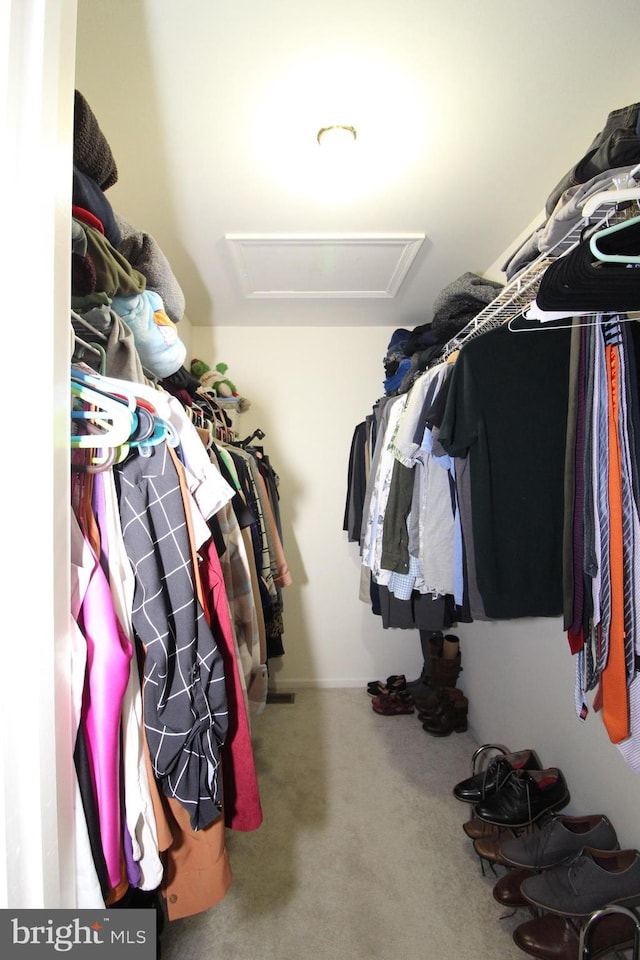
(434, 701)
(452, 716)
(448, 671)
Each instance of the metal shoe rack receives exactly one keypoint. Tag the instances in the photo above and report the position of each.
(588, 927)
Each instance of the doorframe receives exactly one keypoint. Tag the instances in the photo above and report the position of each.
(37, 53)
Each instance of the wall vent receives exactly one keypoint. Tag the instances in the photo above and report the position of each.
(271, 266)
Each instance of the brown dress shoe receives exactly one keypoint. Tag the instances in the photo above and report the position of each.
(507, 891)
(551, 937)
(488, 848)
(476, 827)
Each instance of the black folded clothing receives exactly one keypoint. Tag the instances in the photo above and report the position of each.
(581, 282)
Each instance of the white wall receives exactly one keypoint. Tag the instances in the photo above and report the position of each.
(308, 388)
(519, 678)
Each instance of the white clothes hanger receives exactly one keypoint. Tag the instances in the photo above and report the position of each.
(534, 312)
(529, 322)
(113, 421)
(624, 195)
(127, 388)
(113, 418)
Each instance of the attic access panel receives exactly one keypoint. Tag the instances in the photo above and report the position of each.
(322, 265)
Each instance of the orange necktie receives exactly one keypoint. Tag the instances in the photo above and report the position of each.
(615, 698)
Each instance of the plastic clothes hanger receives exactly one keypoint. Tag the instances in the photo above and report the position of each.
(257, 434)
(137, 395)
(529, 322)
(133, 391)
(162, 430)
(111, 415)
(624, 195)
(82, 346)
(99, 384)
(99, 464)
(613, 257)
(525, 323)
(96, 459)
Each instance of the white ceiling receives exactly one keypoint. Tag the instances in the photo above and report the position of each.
(467, 114)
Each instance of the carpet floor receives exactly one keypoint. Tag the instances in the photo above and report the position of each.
(361, 855)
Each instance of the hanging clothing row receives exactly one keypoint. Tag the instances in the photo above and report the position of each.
(177, 576)
(248, 469)
(500, 477)
(174, 575)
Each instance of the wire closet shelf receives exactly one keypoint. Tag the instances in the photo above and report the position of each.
(519, 292)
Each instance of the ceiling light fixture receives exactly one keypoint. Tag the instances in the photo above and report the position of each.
(340, 129)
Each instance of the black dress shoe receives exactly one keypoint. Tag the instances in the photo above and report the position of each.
(525, 796)
(487, 782)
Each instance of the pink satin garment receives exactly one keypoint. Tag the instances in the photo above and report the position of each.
(109, 655)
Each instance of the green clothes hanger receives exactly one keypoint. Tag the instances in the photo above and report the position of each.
(613, 257)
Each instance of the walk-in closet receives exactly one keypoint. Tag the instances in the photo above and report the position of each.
(321, 533)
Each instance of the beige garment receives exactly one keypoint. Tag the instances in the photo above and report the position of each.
(258, 691)
(282, 576)
(245, 612)
(261, 656)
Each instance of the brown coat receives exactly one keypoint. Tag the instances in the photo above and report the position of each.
(197, 873)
